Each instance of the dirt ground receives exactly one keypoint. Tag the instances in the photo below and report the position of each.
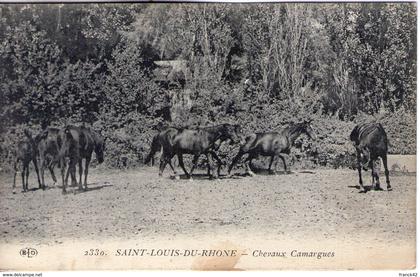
(137, 204)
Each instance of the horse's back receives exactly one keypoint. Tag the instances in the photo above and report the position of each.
(371, 135)
(187, 139)
(265, 143)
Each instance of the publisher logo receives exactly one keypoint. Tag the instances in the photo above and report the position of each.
(28, 252)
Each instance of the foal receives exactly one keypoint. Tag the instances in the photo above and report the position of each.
(25, 153)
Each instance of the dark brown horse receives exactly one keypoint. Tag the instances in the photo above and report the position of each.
(25, 153)
(271, 144)
(78, 144)
(196, 142)
(165, 138)
(371, 143)
(50, 141)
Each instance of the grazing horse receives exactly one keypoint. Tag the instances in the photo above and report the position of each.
(78, 144)
(370, 141)
(25, 153)
(196, 142)
(271, 144)
(164, 140)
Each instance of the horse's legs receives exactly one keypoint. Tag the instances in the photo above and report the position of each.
(235, 160)
(165, 159)
(14, 176)
(375, 177)
(219, 162)
(162, 165)
(42, 165)
(181, 164)
(68, 173)
(27, 174)
(359, 169)
(73, 174)
(73, 171)
(385, 162)
(209, 166)
(271, 162)
(169, 161)
(63, 173)
(195, 160)
(87, 162)
(37, 172)
(249, 164)
(80, 162)
(284, 163)
(51, 168)
(23, 176)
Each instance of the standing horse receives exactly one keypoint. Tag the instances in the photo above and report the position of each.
(165, 139)
(78, 144)
(25, 153)
(271, 144)
(195, 142)
(371, 142)
(50, 141)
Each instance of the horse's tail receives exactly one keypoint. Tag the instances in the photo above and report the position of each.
(156, 145)
(381, 128)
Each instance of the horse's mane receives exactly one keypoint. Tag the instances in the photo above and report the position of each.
(292, 128)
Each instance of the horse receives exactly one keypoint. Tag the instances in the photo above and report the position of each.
(50, 141)
(165, 138)
(371, 143)
(198, 141)
(271, 144)
(78, 144)
(25, 153)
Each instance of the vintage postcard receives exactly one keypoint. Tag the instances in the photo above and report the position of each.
(208, 136)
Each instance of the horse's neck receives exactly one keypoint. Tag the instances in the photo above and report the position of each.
(294, 132)
(213, 133)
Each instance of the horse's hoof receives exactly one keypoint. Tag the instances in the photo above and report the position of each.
(14, 191)
(378, 188)
(389, 189)
(191, 179)
(63, 192)
(177, 177)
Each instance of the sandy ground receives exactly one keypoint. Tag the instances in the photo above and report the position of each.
(304, 208)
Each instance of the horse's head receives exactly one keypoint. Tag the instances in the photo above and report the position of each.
(230, 131)
(363, 153)
(308, 130)
(99, 148)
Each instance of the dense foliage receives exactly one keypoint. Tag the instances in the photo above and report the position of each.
(260, 65)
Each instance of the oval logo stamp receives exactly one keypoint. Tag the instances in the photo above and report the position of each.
(28, 252)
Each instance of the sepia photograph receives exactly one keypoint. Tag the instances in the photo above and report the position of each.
(208, 136)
